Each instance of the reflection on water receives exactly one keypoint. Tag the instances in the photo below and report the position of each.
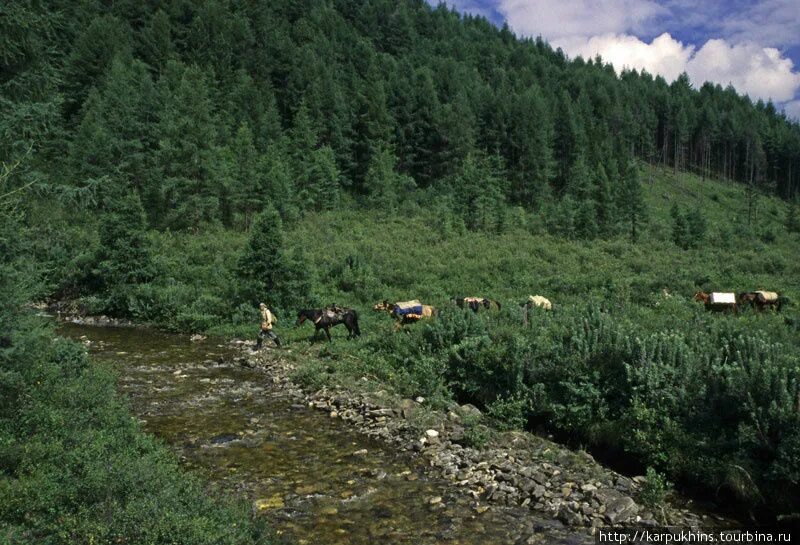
(308, 473)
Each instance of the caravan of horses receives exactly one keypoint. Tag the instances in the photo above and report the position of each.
(412, 311)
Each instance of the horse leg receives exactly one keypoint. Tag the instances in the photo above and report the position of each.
(328, 332)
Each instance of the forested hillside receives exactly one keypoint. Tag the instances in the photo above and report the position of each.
(177, 162)
(210, 110)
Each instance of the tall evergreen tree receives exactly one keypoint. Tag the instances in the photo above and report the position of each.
(630, 200)
(117, 136)
(123, 258)
(529, 150)
(268, 272)
(186, 152)
(567, 142)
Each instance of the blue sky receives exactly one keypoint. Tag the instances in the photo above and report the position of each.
(753, 45)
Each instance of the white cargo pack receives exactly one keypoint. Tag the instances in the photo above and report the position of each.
(721, 298)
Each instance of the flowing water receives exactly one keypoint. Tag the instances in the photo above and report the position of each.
(307, 473)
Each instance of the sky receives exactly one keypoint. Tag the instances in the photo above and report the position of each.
(753, 45)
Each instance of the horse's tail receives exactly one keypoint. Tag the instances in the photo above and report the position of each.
(356, 329)
(499, 307)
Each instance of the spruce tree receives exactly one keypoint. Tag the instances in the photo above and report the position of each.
(697, 227)
(117, 136)
(385, 186)
(580, 188)
(187, 152)
(123, 257)
(630, 200)
(267, 272)
(604, 197)
(680, 229)
(567, 142)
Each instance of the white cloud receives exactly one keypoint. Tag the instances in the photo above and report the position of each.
(767, 22)
(664, 55)
(761, 72)
(577, 18)
(606, 27)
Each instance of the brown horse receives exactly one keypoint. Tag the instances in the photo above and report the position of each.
(760, 300)
(717, 302)
(474, 303)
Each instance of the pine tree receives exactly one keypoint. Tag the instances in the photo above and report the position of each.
(187, 148)
(529, 149)
(630, 200)
(697, 227)
(123, 258)
(117, 136)
(580, 188)
(385, 186)
(155, 41)
(318, 181)
(373, 128)
(567, 141)
(680, 229)
(604, 197)
(247, 192)
(280, 189)
(104, 39)
(268, 273)
(479, 191)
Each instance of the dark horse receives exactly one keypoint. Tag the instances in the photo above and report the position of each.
(474, 303)
(325, 319)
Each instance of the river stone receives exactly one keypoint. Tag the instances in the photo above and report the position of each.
(361, 452)
(469, 410)
(621, 509)
(569, 517)
(431, 434)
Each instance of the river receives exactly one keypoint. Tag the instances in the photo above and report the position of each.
(316, 480)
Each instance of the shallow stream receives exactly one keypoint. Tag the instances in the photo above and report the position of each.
(316, 479)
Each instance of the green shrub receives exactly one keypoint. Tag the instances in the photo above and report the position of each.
(655, 488)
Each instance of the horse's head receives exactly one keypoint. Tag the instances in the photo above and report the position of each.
(301, 317)
(383, 306)
(701, 296)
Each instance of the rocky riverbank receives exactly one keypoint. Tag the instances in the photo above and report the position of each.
(514, 468)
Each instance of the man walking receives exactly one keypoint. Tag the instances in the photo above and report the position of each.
(267, 319)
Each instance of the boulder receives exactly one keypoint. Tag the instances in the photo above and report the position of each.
(621, 509)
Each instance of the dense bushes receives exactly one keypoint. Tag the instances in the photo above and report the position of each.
(710, 401)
